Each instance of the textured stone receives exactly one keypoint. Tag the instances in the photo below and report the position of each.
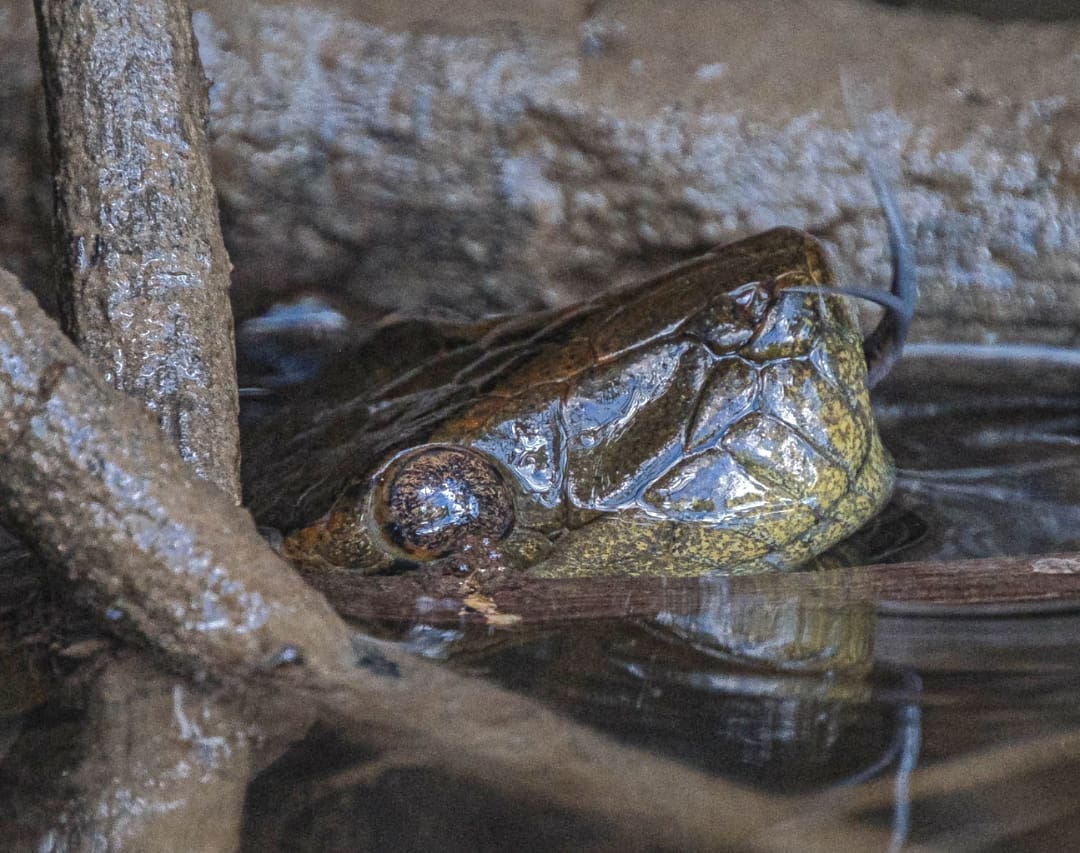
(530, 153)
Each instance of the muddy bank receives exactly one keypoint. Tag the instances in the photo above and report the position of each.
(483, 159)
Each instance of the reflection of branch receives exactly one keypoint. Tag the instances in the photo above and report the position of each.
(1009, 782)
(91, 481)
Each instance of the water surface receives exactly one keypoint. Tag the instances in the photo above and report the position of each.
(954, 730)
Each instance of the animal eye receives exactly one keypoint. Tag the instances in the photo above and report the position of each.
(431, 500)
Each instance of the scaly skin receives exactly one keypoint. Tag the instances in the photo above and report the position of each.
(704, 420)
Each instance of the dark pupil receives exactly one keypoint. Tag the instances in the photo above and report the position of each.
(442, 506)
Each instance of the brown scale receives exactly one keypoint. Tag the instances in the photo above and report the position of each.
(711, 418)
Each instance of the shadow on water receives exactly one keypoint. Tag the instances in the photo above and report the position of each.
(995, 10)
(987, 450)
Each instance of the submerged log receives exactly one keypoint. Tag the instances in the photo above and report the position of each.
(990, 585)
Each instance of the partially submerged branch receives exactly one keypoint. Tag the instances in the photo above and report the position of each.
(993, 584)
(144, 292)
(89, 478)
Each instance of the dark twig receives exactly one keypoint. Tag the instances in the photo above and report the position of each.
(990, 585)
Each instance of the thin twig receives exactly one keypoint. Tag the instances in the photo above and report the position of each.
(993, 585)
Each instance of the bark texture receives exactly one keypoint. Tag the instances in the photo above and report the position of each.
(144, 292)
(84, 470)
(145, 274)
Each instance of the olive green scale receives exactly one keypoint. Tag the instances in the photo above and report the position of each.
(710, 419)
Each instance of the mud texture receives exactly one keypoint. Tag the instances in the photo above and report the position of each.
(529, 155)
(488, 158)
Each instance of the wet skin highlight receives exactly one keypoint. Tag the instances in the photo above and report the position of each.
(714, 418)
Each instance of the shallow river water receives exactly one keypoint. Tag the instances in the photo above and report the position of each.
(954, 729)
(951, 728)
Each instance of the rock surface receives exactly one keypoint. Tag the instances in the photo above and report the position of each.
(485, 159)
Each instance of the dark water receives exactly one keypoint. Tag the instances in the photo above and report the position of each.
(987, 451)
(956, 731)
(997, 10)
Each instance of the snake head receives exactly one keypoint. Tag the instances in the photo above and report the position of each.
(716, 417)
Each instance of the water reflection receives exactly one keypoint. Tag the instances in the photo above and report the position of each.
(987, 444)
(830, 632)
(758, 685)
(935, 730)
(762, 687)
(952, 730)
